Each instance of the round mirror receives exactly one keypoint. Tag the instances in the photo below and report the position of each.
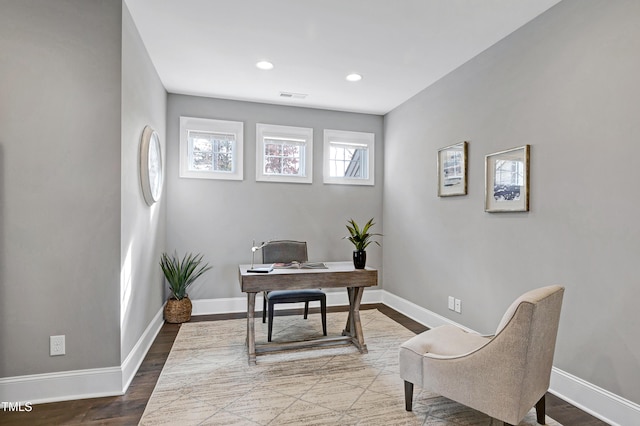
(150, 166)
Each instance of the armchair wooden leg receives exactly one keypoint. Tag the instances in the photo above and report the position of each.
(540, 411)
(408, 396)
(306, 309)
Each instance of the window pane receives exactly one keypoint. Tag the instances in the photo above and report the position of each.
(273, 149)
(290, 166)
(201, 152)
(273, 165)
(201, 145)
(201, 161)
(211, 151)
(223, 145)
(283, 157)
(223, 162)
(347, 161)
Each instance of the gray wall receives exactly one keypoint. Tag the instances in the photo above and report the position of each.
(144, 102)
(60, 184)
(567, 84)
(221, 218)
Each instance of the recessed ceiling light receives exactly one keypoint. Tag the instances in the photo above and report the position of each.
(354, 77)
(264, 65)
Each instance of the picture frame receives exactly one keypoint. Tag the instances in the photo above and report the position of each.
(507, 180)
(452, 170)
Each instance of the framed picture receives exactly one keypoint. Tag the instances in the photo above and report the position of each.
(507, 181)
(452, 170)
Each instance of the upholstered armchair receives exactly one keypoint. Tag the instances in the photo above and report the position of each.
(503, 375)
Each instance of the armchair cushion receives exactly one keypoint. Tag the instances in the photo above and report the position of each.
(446, 340)
(443, 341)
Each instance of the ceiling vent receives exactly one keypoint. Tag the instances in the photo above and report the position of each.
(292, 95)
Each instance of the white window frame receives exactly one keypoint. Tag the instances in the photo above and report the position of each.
(235, 128)
(354, 138)
(302, 135)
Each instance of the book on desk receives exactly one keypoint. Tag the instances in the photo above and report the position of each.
(288, 265)
(299, 265)
(261, 269)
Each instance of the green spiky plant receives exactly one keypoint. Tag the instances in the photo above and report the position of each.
(180, 274)
(361, 237)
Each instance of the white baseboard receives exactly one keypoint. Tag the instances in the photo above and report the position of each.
(133, 361)
(594, 400)
(62, 386)
(590, 398)
(239, 304)
(220, 306)
(417, 313)
(100, 382)
(81, 384)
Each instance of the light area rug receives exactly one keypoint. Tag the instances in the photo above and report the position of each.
(207, 380)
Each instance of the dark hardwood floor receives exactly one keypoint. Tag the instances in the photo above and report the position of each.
(127, 409)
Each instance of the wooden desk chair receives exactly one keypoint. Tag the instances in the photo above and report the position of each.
(286, 251)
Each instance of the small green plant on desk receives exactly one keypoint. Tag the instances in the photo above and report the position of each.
(361, 238)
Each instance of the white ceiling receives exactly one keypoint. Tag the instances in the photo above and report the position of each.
(210, 47)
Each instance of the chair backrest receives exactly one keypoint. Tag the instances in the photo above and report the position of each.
(284, 251)
(528, 330)
(535, 297)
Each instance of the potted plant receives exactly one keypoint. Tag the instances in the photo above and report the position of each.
(180, 274)
(361, 238)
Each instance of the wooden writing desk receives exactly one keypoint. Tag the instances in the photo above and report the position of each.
(337, 274)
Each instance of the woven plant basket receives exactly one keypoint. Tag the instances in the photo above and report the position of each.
(177, 311)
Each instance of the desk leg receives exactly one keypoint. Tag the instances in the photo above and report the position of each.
(353, 327)
(251, 327)
(348, 327)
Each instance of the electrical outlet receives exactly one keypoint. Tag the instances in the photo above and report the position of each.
(457, 306)
(56, 345)
(451, 303)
